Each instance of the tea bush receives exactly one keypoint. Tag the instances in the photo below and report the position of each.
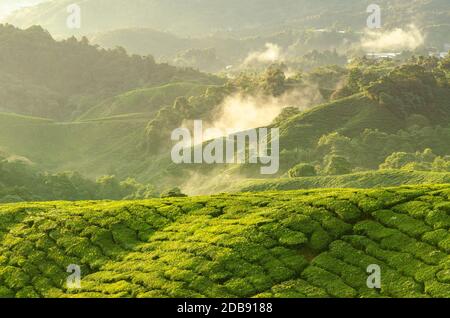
(315, 243)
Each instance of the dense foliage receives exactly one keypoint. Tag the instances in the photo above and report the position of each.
(218, 36)
(21, 182)
(373, 109)
(373, 149)
(357, 180)
(292, 244)
(45, 78)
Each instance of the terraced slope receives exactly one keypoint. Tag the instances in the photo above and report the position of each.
(315, 243)
(78, 146)
(365, 180)
(143, 102)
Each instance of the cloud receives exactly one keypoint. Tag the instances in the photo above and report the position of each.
(394, 40)
(272, 53)
(9, 6)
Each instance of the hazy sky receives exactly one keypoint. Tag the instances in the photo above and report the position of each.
(8, 6)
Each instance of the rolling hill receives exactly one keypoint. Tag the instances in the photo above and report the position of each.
(385, 104)
(316, 243)
(144, 102)
(361, 180)
(371, 128)
(112, 136)
(112, 114)
(78, 146)
(89, 184)
(62, 80)
(223, 53)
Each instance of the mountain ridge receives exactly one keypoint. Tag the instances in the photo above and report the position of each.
(235, 16)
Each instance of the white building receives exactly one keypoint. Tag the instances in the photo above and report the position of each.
(383, 55)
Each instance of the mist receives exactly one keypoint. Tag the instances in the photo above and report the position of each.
(215, 181)
(272, 53)
(9, 6)
(241, 112)
(397, 39)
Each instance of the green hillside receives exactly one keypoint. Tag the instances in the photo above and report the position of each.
(74, 146)
(361, 180)
(315, 243)
(144, 101)
(349, 115)
(62, 80)
(352, 115)
(382, 108)
(21, 180)
(143, 41)
(21, 120)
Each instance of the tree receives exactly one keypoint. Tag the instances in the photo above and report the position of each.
(335, 143)
(337, 165)
(173, 193)
(441, 165)
(397, 160)
(427, 155)
(421, 161)
(181, 106)
(416, 120)
(286, 113)
(110, 188)
(302, 170)
(273, 81)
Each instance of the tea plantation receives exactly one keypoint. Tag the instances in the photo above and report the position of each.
(315, 243)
